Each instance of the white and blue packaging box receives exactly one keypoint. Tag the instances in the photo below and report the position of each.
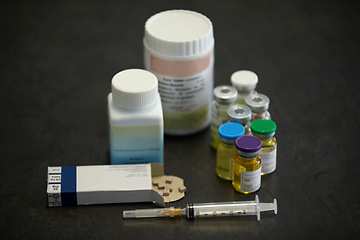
(101, 184)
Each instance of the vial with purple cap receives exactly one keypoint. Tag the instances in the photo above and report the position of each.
(247, 165)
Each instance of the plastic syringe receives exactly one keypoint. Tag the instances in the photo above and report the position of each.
(199, 210)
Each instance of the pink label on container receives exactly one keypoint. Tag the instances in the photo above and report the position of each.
(180, 68)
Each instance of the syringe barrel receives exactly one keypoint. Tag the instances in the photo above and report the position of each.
(221, 209)
(239, 208)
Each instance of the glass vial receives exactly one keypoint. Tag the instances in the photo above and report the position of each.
(226, 151)
(265, 130)
(179, 50)
(240, 114)
(247, 165)
(135, 118)
(224, 97)
(245, 82)
(259, 104)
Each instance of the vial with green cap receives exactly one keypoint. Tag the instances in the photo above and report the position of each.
(226, 151)
(240, 114)
(247, 165)
(224, 97)
(265, 129)
(259, 104)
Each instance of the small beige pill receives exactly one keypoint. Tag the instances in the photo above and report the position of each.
(170, 188)
(168, 180)
(161, 186)
(155, 182)
(182, 189)
(166, 192)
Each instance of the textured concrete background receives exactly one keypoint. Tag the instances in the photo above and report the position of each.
(57, 61)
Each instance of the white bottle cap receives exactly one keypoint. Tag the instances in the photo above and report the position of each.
(244, 80)
(134, 88)
(179, 33)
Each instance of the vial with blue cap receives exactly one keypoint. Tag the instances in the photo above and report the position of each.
(226, 151)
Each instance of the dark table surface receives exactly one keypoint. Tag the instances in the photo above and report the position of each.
(57, 61)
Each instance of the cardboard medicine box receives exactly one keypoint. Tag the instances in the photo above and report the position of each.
(101, 184)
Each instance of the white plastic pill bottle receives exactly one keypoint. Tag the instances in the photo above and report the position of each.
(135, 118)
(179, 50)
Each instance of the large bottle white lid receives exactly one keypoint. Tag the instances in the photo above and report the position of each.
(179, 33)
(134, 88)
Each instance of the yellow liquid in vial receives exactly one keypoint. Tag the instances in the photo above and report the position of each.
(267, 146)
(241, 101)
(241, 165)
(247, 129)
(218, 117)
(224, 160)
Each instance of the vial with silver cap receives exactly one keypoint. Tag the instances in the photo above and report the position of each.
(224, 97)
(259, 104)
(245, 82)
(240, 114)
